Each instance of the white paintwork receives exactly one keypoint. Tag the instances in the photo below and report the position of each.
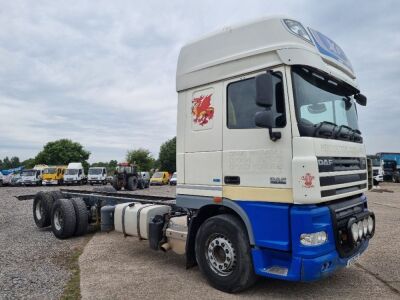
(74, 178)
(97, 177)
(147, 213)
(207, 153)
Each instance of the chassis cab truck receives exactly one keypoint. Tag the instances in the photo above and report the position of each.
(270, 160)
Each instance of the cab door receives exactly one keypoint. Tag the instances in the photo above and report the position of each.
(255, 167)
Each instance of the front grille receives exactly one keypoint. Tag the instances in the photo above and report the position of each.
(338, 164)
(340, 179)
(341, 213)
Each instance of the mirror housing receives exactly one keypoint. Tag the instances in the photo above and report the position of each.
(360, 99)
(264, 90)
(267, 119)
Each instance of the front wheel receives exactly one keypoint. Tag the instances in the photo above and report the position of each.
(223, 254)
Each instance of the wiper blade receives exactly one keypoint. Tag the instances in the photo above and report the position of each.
(325, 129)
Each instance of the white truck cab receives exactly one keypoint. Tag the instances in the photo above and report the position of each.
(33, 176)
(97, 175)
(75, 174)
(268, 132)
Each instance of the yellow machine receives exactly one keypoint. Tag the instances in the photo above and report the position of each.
(53, 175)
(159, 178)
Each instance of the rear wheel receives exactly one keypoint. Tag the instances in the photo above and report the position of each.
(223, 254)
(82, 218)
(42, 205)
(132, 183)
(63, 221)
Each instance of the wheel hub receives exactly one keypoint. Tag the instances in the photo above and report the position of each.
(58, 220)
(221, 255)
(38, 210)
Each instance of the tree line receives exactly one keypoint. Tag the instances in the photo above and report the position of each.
(64, 151)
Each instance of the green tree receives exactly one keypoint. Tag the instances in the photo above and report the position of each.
(167, 156)
(29, 163)
(62, 152)
(141, 157)
(8, 163)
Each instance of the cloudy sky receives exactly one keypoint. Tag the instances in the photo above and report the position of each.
(103, 72)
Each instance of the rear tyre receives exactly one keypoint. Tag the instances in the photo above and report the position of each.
(63, 220)
(132, 183)
(42, 205)
(223, 254)
(82, 217)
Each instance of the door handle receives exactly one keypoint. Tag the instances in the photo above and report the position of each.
(232, 180)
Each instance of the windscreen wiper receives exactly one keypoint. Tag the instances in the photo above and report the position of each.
(325, 129)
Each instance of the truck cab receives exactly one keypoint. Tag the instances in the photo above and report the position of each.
(75, 174)
(32, 176)
(268, 141)
(53, 175)
(97, 175)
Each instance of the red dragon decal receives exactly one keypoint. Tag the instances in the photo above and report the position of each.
(202, 111)
(308, 180)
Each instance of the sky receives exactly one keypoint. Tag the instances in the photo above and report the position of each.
(102, 73)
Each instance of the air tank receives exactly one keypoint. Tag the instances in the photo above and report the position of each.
(107, 218)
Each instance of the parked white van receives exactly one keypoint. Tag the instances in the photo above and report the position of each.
(75, 174)
(97, 175)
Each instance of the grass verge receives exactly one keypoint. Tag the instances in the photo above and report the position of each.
(72, 289)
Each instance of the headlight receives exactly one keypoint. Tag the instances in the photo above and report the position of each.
(365, 226)
(370, 224)
(354, 232)
(360, 229)
(313, 239)
(297, 29)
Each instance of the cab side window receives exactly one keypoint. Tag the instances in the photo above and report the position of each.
(242, 107)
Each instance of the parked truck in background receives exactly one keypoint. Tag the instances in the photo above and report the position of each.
(97, 175)
(271, 165)
(377, 169)
(390, 164)
(53, 175)
(75, 174)
(33, 176)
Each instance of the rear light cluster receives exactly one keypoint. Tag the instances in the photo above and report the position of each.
(362, 228)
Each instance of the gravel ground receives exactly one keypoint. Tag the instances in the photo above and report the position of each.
(114, 267)
(33, 263)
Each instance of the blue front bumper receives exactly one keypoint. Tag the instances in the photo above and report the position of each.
(277, 251)
(274, 264)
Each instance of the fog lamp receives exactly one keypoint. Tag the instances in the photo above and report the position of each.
(313, 239)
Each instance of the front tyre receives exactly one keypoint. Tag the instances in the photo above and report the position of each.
(223, 254)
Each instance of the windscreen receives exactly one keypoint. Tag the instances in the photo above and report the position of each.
(322, 100)
(71, 171)
(95, 171)
(49, 171)
(28, 173)
(157, 175)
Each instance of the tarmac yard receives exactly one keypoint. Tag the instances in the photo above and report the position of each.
(34, 264)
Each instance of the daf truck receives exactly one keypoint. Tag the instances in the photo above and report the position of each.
(272, 169)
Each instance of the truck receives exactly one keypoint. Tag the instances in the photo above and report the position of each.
(75, 174)
(33, 176)
(377, 169)
(391, 165)
(53, 175)
(272, 169)
(97, 175)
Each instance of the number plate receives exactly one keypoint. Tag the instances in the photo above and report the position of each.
(353, 260)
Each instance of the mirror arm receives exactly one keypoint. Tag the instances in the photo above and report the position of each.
(274, 136)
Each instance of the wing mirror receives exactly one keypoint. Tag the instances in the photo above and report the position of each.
(264, 90)
(361, 99)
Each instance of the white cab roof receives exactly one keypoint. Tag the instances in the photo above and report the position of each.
(249, 47)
